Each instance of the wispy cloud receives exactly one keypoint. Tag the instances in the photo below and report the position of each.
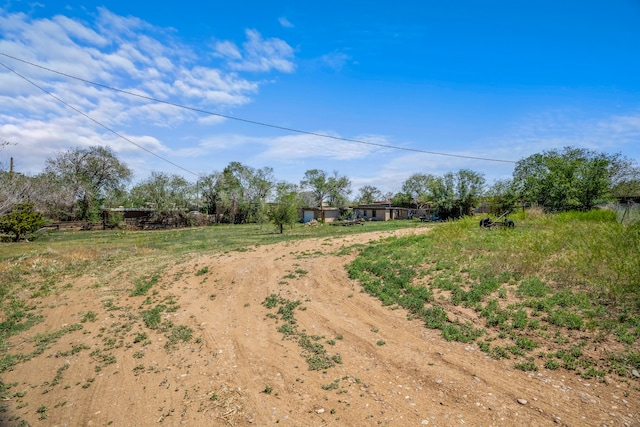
(285, 22)
(291, 147)
(258, 54)
(557, 129)
(336, 60)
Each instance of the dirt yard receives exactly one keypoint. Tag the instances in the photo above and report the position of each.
(238, 369)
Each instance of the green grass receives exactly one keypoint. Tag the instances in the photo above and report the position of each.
(144, 284)
(552, 275)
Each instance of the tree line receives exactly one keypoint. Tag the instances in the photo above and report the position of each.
(78, 183)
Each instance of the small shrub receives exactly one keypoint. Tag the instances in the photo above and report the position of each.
(533, 287)
(203, 270)
(528, 366)
(566, 318)
(21, 221)
(526, 344)
(142, 286)
(332, 385)
(551, 364)
(89, 317)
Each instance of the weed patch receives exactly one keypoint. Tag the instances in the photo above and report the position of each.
(144, 284)
(554, 275)
(317, 357)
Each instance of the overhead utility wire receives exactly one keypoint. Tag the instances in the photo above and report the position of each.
(97, 122)
(322, 135)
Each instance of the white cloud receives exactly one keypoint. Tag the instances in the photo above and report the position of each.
(285, 22)
(304, 146)
(336, 60)
(258, 54)
(123, 52)
(228, 50)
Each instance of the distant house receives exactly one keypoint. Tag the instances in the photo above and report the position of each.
(327, 214)
(380, 211)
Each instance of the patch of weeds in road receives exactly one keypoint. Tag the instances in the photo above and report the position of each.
(102, 358)
(143, 284)
(333, 385)
(138, 369)
(152, 318)
(178, 334)
(18, 317)
(75, 349)
(298, 273)
(202, 271)
(170, 303)
(58, 376)
(41, 342)
(527, 366)
(42, 410)
(315, 354)
(313, 351)
(88, 382)
(551, 364)
(110, 305)
(309, 254)
(139, 337)
(89, 316)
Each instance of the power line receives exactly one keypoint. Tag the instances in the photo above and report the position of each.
(254, 122)
(97, 122)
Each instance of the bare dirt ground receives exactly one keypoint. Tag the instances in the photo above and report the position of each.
(239, 370)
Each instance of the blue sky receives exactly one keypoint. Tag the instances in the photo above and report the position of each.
(498, 80)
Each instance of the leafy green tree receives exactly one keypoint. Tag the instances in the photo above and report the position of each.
(208, 192)
(368, 194)
(502, 196)
(88, 174)
(21, 220)
(450, 196)
(468, 190)
(402, 200)
(420, 187)
(284, 210)
(260, 185)
(164, 192)
(339, 190)
(332, 189)
(625, 177)
(315, 181)
(571, 179)
(238, 193)
(441, 196)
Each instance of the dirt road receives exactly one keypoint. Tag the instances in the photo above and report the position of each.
(238, 369)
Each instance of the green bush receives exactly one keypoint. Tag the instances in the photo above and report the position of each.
(21, 221)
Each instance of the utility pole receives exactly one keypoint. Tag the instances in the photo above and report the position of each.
(11, 170)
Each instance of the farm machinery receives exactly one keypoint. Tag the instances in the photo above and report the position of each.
(501, 221)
